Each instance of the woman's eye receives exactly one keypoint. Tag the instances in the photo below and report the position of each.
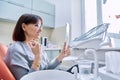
(36, 25)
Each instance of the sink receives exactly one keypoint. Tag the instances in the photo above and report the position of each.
(49, 75)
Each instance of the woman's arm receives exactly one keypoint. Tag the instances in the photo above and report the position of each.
(53, 64)
(18, 71)
(64, 53)
(36, 50)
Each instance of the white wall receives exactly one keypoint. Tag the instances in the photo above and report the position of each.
(68, 11)
(62, 12)
(75, 18)
(58, 35)
(6, 30)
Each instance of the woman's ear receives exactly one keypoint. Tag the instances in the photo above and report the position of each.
(23, 26)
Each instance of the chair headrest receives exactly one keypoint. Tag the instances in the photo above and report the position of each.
(3, 50)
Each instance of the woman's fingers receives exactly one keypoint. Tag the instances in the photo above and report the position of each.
(64, 46)
(67, 51)
(33, 43)
(35, 46)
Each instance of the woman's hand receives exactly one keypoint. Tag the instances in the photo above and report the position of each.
(36, 47)
(64, 52)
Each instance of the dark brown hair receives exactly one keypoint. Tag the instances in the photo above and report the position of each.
(18, 33)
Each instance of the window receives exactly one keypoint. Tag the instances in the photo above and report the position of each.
(110, 10)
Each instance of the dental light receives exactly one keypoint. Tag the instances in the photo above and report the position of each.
(94, 36)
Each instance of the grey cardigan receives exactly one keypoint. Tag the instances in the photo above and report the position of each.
(19, 59)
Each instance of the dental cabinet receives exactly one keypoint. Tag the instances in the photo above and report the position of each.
(108, 75)
(12, 9)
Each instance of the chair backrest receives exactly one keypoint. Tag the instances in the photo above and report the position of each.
(5, 73)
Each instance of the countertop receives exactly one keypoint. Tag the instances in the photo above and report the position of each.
(52, 49)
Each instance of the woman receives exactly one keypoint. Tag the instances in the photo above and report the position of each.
(25, 55)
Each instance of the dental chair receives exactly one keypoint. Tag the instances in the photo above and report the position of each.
(5, 73)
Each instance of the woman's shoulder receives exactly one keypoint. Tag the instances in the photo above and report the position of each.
(16, 46)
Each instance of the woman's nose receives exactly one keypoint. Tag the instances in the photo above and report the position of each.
(40, 29)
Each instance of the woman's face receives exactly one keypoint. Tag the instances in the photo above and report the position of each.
(32, 31)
